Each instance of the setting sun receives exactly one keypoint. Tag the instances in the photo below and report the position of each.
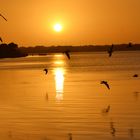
(57, 27)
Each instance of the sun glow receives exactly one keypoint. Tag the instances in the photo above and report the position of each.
(59, 81)
(57, 27)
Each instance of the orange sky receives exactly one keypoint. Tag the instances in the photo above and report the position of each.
(30, 22)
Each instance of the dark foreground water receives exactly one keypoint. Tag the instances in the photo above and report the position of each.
(69, 100)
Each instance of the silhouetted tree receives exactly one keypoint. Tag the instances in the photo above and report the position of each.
(13, 45)
(10, 50)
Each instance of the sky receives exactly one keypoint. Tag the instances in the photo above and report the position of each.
(84, 22)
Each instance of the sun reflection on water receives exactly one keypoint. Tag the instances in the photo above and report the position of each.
(59, 82)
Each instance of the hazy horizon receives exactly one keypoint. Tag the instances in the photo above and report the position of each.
(84, 22)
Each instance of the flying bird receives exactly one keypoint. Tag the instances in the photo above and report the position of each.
(110, 50)
(67, 53)
(1, 39)
(135, 75)
(105, 83)
(106, 110)
(46, 71)
(3, 17)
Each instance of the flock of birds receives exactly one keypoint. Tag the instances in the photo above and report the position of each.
(106, 110)
(110, 51)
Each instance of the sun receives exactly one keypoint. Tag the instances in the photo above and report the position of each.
(57, 27)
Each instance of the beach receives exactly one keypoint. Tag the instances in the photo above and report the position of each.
(69, 99)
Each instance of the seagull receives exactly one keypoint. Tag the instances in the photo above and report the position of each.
(67, 53)
(110, 50)
(105, 83)
(46, 71)
(1, 39)
(135, 75)
(3, 17)
(106, 110)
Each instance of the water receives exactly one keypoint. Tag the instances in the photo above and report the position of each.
(70, 98)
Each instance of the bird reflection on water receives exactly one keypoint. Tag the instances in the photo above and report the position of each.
(112, 128)
(136, 95)
(131, 132)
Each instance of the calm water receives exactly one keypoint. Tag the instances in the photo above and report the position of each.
(70, 98)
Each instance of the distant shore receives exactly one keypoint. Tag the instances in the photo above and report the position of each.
(11, 50)
(42, 50)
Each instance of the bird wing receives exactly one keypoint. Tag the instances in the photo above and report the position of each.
(67, 54)
(3, 17)
(107, 85)
(46, 71)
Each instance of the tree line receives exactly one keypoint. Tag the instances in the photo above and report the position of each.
(10, 50)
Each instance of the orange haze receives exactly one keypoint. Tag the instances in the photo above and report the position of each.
(84, 22)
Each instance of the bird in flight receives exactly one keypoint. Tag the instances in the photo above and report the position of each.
(46, 71)
(3, 17)
(1, 39)
(110, 50)
(67, 53)
(106, 110)
(105, 83)
(135, 75)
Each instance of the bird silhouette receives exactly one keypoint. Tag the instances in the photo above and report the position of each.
(106, 110)
(105, 83)
(3, 17)
(135, 75)
(46, 71)
(67, 53)
(1, 39)
(110, 50)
